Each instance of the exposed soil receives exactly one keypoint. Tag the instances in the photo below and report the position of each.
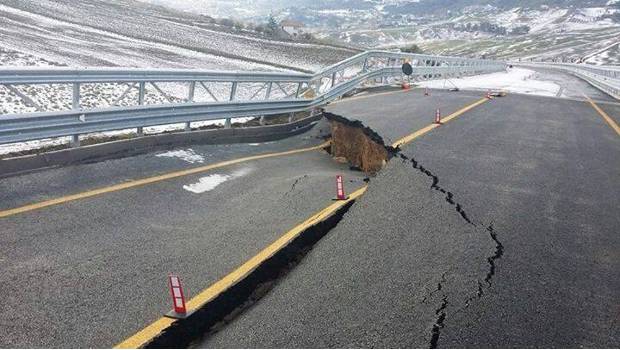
(359, 145)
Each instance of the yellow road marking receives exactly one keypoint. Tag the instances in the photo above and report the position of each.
(151, 331)
(430, 127)
(147, 334)
(605, 116)
(150, 180)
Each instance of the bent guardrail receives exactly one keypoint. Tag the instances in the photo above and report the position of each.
(99, 100)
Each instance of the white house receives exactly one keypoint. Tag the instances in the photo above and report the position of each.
(293, 28)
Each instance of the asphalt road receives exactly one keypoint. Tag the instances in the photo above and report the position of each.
(523, 253)
(571, 86)
(397, 114)
(91, 272)
(410, 264)
(612, 110)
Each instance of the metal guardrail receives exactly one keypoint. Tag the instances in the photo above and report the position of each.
(224, 95)
(605, 78)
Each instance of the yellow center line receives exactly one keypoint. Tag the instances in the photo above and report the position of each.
(150, 180)
(147, 334)
(144, 336)
(605, 116)
(413, 136)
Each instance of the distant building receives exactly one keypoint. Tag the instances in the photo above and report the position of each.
(293, 28)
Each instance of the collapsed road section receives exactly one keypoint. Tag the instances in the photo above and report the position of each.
(381, 262)
(351, 142)
(364, 149)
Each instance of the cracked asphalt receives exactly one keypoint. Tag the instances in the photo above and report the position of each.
(91, 272)
(497, 229)
(538, 178)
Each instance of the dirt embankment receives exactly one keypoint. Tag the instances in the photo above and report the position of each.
(359, 145)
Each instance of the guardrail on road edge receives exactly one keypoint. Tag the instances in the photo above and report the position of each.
(605, 78)
(226, 95)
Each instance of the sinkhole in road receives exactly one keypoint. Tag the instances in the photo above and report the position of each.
(357, 144)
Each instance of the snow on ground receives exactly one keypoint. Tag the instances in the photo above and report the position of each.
(609, 55)
(30, 145)
(208, 183)
(129, 33)
(74, 45)
(57, 97)
(150, 130)
(188, 155)
(518, 80)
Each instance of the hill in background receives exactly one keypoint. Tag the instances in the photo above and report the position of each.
(137, 34)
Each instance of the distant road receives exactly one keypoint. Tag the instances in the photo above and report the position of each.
(571, 86)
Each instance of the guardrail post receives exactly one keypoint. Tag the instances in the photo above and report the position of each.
(233, 92)
(299, 87)
(75, 140)
(290, 117)
(75, 105)
(333, 79)
(76, 96)
(268, 92)
(192, 89)
(141, 89)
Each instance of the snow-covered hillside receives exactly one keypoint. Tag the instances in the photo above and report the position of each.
(541, 33)
(560, 29)
(128, 33)
(135, 34)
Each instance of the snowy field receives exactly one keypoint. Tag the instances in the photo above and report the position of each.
(608, 56)
(518, 80)
(133, 34)
(108, 33)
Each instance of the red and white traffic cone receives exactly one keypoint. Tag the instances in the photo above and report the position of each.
(340, 195)
(405, 85)
(178, 298)
(426, 91)
(438, 116)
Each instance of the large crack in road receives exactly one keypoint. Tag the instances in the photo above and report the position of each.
(499, 251)
(363, 148)
(441, 312)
